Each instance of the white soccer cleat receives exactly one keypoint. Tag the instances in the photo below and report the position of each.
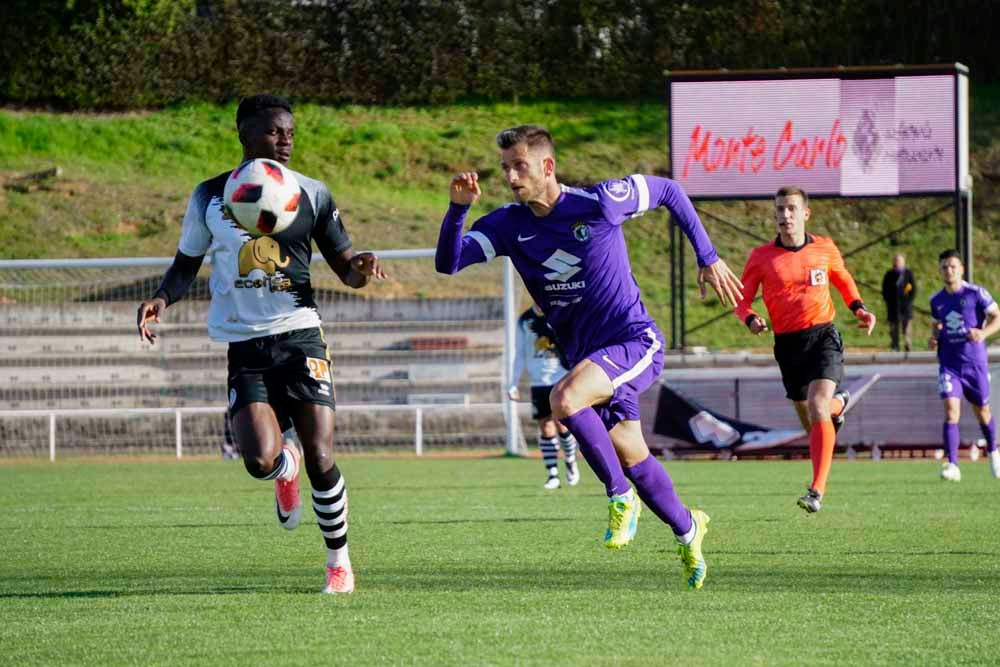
(951, 473)
(572, 474)
(994, 458)
(551, 483)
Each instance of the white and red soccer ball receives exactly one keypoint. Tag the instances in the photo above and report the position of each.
(263, 196)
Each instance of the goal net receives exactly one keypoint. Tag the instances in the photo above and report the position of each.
(75, 375)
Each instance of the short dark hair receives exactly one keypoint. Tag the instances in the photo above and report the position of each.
(790, 190)
(254, 104)
(948, 254)
(533, 135)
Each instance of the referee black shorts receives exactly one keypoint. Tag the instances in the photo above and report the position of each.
(282, 370)
(815, 353)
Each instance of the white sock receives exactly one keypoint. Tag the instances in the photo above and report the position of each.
(688, 537)
(338, 557)
(288, 465)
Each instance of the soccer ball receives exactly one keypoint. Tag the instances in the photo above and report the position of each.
(263, 196)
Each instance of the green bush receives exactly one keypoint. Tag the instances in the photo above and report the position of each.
(125, 54)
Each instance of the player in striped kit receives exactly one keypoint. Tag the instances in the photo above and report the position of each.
(964, 316)
(567, 243)
(262, 305)
(536, 351)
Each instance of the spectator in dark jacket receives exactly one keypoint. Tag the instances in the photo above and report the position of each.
(899, 289)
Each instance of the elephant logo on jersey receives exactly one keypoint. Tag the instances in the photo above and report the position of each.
(618, 190)
(263, 254)
(543, 344)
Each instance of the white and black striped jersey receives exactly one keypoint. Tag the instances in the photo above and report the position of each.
(535, 351)
(260, 285)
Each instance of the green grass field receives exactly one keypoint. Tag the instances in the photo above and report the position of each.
(469, 562)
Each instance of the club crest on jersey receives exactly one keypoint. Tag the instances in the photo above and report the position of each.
(817, 276)
(619, 190)
(260, 259)
(581, 231)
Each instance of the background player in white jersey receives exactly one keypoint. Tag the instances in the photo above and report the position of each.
(536, 351)
(964, 316)
(567, 243)
(262, 305)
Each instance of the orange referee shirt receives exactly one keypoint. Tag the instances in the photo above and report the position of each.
(796, 283)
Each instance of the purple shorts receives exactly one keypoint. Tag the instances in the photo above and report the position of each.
(632, 365)
(971, 381)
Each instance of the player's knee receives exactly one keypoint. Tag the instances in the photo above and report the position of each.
(259, 466)
(562, 403)
(318, 458)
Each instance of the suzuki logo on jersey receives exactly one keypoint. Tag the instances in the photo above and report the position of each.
(262, 254)
(955, 323)
(563, 267)
(817, 276)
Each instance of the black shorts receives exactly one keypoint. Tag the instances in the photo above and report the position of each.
(540, 407)
(282, 370)
(811, 354)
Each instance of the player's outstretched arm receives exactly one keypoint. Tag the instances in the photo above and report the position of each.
(176, 282)
(454, 252)
(727, 286)
(714, 271)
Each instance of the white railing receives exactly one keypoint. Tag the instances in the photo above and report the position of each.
(507, 408)
(418, 410)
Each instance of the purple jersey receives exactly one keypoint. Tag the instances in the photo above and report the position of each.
(573, 261)
(959, 312)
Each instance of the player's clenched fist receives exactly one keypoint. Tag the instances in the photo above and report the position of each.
(465, 188)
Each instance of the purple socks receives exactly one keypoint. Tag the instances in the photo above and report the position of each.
(595, 445)
(989, 430)
(951, 442)
(657, 491)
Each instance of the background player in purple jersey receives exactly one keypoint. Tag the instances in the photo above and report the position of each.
(567, 244)
(964, 316)
(279, 365)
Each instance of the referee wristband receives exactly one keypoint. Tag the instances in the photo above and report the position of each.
(750, 318)
(856, 306)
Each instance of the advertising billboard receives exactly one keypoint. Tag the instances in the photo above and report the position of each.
(847, 132)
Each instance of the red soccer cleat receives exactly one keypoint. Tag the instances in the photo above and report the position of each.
(339, 580)
(287, 501)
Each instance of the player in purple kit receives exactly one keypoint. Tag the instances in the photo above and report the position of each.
(567, 244)
(964, 316)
